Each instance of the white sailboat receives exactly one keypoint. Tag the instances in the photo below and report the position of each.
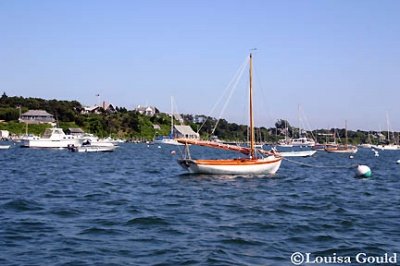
(170, 140)
(254, 164)
(389, 146)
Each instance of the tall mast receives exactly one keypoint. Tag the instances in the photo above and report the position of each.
(345, 130)
(172, 117)
(388, 127)
(298, 119)
(252, 151)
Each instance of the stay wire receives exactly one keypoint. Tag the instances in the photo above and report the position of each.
(226, 90)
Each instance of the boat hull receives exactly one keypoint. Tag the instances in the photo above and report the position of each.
(297, 153)
(93, 149)
(390, 147)
(269, 165)
(341, 150)
(168, 142)
(41, 143)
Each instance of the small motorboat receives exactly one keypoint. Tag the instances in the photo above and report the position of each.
(92, 148)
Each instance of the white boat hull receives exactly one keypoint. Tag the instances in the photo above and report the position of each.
(94, 148)
(354, 150)
(386, 147)
(269, 165)
(55, 144)
(4, 147)
(297, 153)
(285, 145)
(168, 142)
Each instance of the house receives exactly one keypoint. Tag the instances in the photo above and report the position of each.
(91, 110)
(108, 107)
(96, 109)
(146, 110)
(199, 119)
(185, 132)
(37, 117)
(75, 131)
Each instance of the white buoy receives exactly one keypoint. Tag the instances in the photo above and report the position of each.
(398, 161)
(173, 152)
(159, 147)
(351, 157)
(363, 171)
(376, 154)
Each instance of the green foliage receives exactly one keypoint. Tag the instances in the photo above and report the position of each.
(130, 124)
(21, 128)
(9, 114)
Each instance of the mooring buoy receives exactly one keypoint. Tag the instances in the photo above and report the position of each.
(363, 171)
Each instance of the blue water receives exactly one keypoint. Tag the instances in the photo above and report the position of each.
(136, 206)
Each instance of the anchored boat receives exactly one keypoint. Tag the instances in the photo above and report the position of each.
(255, 163)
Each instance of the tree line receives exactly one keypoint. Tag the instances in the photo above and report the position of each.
(129, 124)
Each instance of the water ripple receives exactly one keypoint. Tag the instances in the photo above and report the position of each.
(136, 206)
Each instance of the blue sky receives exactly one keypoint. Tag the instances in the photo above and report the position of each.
(339, 60)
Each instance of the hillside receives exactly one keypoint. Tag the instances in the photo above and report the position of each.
(129, 124)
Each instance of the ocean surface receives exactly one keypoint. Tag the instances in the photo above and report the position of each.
(136, 206)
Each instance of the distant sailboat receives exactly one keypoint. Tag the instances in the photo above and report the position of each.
(287, 142)
(388, 146)
(346, 148)
(254, 164)
(169, 139)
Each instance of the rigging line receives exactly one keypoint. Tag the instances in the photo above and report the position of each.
(234, 86)
(263, 98)
(307, 123)
(320, 166)
(224, 92)
(178, 115)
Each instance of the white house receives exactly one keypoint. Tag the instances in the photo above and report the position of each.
(146, 110)
(95, 109)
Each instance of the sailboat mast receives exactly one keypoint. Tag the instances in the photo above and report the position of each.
(345, 128)
(252, 151)
(388, 127)
(172, 118)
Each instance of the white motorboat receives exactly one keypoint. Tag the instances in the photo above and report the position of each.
(90, 139)
(92, 148)
(302, 141)
(4, 147)
(297, 153)
(53, 138)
